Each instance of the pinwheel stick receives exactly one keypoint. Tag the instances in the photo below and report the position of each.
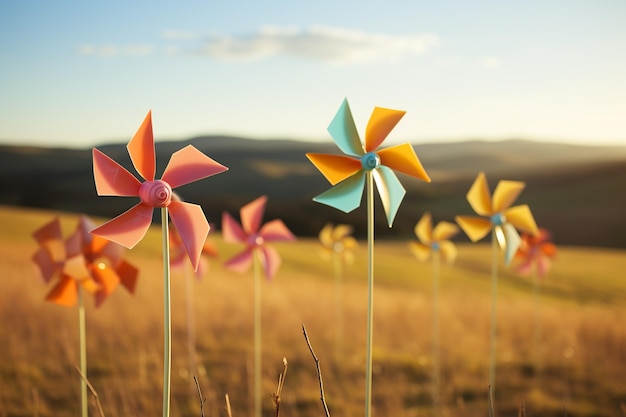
(167, 325)
(257, 334)
(191, 331)
(338, 272)
(436, 259)
(83, 352)
(537, 305)
(370, 292)
(494, 306)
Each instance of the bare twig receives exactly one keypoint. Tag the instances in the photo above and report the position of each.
(279, 389)
(92, 390)
(229, 412)
(522, 410)
(202, 400)
(319, 372)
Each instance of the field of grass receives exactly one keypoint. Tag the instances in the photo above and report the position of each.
(583, 347)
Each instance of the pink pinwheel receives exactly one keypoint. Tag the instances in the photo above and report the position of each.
(255, 237)
(178, 254)
(535, 250)
(185, 166)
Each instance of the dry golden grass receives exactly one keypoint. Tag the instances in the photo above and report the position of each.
(584, 337)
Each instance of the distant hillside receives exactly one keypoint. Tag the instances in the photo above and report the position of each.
(576, 191)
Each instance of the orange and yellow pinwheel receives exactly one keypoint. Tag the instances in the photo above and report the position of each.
(536, 251)
(434, 240)
(501, 217)
(337, 241)
(347, 173)
(83, 260)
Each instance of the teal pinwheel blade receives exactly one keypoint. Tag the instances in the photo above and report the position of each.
(513, 241)
(390, 190)
(344, 133)
(345, 196)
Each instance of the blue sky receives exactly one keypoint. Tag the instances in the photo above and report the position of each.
(77, 73)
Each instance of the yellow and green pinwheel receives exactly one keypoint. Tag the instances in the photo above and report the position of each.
(347, 173)
(500, 216)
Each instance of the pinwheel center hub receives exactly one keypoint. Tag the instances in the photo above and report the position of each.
(498, 219)
(370, 161)
(338, 246)
(434, 246)
(156, 193)
(255, 240)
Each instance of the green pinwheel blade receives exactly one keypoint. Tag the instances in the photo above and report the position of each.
(345, 196)
(343, 131)
(390, 190)
(513, 241)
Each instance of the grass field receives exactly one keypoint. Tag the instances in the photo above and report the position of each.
(583, 349)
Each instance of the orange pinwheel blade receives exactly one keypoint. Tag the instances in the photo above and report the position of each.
(276, 231)
(128, 228)
(76, 267)
(111, 178)
(192, 228)
(505, 194)
(448, 250)
(444, 231)
(474, 227)
(128, 275)
(64, 293)
(252, 215)
(107, 280)
(141, 149)
(335, 168)
(421, 251)
(479, 197)
(403, 158)
(522, 218)
(424, 229)
(188, 165)
(381, 122)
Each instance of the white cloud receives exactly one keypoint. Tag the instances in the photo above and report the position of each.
(109, 50)
(321, 43)
(488, 62)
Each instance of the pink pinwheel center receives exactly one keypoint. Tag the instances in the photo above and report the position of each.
(156, 193)
(498, 219)
(255, 240)
(434, 246)
(370, 161)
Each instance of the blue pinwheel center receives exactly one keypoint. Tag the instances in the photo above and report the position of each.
(255, 240)
(435, 246)
(370, 161)
(498, 219)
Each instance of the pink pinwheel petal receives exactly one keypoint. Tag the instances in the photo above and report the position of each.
(241, 262)
(141, 149)
(231, 230)
(46, 266)
(543, 265)
(111, 178)
(49, 238)
(189, 165)
(128, 228)
(128, 275)
(525, 268)
(252, 214)
(276, 231)
(381, 122)
(192, 228)
(270, 261)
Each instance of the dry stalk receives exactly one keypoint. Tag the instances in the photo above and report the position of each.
(319, 372)
(490, 401)
(522, 410)
(279, 388)
(202, 400)
(92, 390)
(229, 412)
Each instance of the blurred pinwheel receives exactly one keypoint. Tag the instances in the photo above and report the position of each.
(336, 241)
(434, 240)
(502, 218)
(178, 253)
(185, 166)
(536, 251)
(255, 237)
(83, 260)
(347, 173)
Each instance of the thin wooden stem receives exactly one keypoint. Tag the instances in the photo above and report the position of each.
(370, 293)
(83, 352)
(191, 323)
(257, 335)
(494, 306)
(167, 315)
(436, 370)
(338, 272)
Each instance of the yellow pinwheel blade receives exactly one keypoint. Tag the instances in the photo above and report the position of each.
(335, 168)
(381, 122)
(448, 251)
(421, 251)
(402, 158)
(505, 194)
(478, 196)
(424, 229)
(349, 243)
(326, 235)
(444, 231)
(474, 227)
(522, 218)
(341, 231)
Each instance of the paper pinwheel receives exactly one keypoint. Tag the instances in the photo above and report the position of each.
(185, 166)
(502, 218)
(255, 237)
(434, 240)
(535, 251)
(348, 173)
(337, 242)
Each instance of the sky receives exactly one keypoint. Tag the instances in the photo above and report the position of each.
(84, 73)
